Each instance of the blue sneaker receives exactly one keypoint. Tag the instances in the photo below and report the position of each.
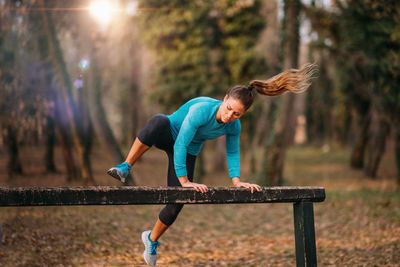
(150, 252)
(121, 171)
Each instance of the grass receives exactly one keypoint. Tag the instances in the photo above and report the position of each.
(357, 225)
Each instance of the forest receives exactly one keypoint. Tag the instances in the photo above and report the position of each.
(80, 79)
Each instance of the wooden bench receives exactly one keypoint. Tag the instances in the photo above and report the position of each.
(301, 197)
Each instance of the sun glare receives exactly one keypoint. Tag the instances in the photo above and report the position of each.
(103, 11)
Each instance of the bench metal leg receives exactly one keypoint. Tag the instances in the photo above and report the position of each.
(306, 254)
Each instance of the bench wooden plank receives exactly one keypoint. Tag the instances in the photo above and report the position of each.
(134, 195)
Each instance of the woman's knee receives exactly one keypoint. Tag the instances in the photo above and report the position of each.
(169, 213)
(160, 120)
(153, 130)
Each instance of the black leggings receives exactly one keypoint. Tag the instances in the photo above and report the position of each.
(158, 132)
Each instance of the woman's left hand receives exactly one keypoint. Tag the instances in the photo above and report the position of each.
(252, 187)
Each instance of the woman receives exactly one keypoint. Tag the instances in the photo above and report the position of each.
(182, 134)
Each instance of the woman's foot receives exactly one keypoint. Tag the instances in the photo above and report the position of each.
(150, 251)
(120, 172)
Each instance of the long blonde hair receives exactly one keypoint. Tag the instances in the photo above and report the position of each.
(293, 80)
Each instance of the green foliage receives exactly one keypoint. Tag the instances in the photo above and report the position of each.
(202, 47)
(371, 29)
(364, 38)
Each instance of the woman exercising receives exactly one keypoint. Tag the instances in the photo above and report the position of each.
(182, 134)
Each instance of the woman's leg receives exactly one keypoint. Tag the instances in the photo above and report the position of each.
(158, 230)
(170, 212)
(136, 151)
(156, 131)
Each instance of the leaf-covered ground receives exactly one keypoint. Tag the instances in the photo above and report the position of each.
(357, 225)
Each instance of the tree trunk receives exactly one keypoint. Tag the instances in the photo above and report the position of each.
(50, 143)
(64, 134)
(98, 115)
(291, 55)
(357, 155)
(345, 131)
(319, 97)
(14, 163)
(377, 148)
(89, 40)
(72, 170)
(50, 94)
(85, 133)
(267, 175)
(136, 99)
(86, 159)
(135, 109)
(256, 133)
(66, 89)
(261, 127)
(284, 133)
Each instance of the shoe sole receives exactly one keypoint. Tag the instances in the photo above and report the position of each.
(113, 173)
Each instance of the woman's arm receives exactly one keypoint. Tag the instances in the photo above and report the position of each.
(190, 124)
(233, 158)
(186, 133)
(233, 154)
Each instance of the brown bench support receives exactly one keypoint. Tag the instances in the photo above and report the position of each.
(304, 232)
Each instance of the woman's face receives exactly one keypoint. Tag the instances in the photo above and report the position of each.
(230, 110)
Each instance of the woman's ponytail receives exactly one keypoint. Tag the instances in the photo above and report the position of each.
(293, 80)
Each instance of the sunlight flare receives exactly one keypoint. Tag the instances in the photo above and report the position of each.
(103, 11)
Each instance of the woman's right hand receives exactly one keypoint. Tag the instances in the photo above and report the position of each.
(198, 187)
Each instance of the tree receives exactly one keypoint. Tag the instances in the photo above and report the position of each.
(363, 36)
(66, 94)
(20, 97)
(282, 111)
(9, 128)
(90, 43)
(320, 97)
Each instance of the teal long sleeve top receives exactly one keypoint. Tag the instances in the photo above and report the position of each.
(194, 123)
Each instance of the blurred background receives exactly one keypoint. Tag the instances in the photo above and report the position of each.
(79, 79)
